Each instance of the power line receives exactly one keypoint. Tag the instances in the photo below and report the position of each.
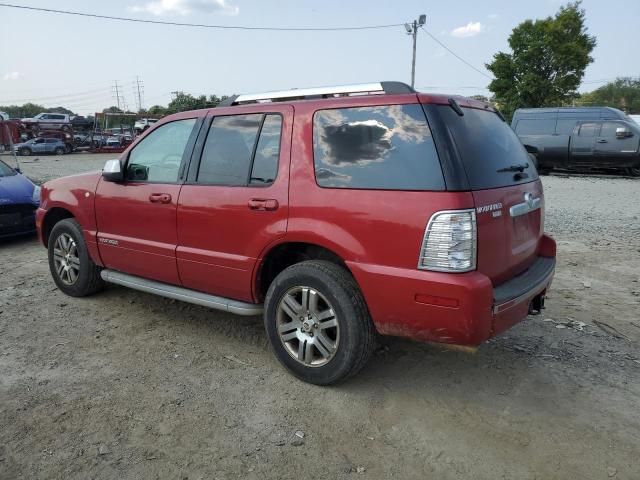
(200, 25)
(454, 54)
(86, 93)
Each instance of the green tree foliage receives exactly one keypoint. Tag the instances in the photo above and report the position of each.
(185, 101)
(623, 93)
(547, 61)
(29, 110)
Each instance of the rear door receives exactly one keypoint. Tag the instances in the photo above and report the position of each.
(506, 190)
(612, 150)
(136, 218)
(236, 199)
(582, 144)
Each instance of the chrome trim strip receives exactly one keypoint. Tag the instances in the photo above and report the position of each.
(525, 207)
(182, 294)
(539, 287)
(304, 92)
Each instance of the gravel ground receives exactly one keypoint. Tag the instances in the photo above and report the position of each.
(125, 385)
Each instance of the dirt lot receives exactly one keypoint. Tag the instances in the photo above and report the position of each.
(127, 385)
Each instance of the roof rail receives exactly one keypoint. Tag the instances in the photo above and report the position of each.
(376, 88)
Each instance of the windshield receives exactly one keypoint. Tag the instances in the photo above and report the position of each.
(6, 170)
(491, 152)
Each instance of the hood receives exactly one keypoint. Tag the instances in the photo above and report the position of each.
(15, 189)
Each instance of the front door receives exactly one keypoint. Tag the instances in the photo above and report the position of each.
(613, 150)
(235, 201)
(137, 217)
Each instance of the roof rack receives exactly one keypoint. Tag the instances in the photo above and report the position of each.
(376, 88)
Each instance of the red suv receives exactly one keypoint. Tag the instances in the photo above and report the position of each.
(340, 213)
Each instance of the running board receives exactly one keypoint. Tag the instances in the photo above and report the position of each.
(182, 294)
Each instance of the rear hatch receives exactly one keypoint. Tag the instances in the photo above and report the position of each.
(506, 190)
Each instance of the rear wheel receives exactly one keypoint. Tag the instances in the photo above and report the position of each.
(59, 150)
(318, 323)
(634, 171)
(71, 266)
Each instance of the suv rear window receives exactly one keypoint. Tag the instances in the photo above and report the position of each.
(385, 147)
(486, 145)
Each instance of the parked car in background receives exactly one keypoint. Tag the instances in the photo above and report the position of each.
(19, 198)
(41, 145)
(144, 123)
(4, 116)
(380, 210)
(49, 121)
(580, 138)
(635, 118)
(81, 123)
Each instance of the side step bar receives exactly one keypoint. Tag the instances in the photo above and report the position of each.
(182, 294)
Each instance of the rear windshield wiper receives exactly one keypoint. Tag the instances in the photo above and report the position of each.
(514, 168)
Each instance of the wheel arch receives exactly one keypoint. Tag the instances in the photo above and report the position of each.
(53, 216)
(286, 253)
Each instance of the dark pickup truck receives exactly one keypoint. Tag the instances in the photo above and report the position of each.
(580, 138)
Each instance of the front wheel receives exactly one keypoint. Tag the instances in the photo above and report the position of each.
(71, 266)
(25, 152)
(318, 323)
(634, 171)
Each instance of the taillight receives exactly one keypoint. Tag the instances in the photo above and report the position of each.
(450, 242)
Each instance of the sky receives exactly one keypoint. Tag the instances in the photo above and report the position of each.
(54, 59)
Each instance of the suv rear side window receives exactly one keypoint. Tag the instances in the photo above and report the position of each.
(536, 127)
(588, 129)
(230, 151)
(386, 147)
(488, 147)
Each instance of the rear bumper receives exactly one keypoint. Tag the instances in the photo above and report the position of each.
(463, 309)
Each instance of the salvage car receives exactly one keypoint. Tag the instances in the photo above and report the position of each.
(19, 198)
(337, 213)
(41, 145)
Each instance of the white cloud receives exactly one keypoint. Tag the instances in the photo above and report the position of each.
(12, 76)
(186, 7)
(471, 29)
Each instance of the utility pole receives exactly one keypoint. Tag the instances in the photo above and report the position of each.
(139, 87)
(412, 29)
(117, 93)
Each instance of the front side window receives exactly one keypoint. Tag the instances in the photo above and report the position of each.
(157, 158)
(231, 155)
(386, 147)
(609, 129)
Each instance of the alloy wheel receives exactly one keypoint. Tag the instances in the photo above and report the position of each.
(307, 326)
(66, 259)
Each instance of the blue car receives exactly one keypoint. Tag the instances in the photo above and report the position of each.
(41, 145)
(19, 199)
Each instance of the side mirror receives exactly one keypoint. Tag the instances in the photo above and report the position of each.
(531, 149)
(112, 171)
(623, 132)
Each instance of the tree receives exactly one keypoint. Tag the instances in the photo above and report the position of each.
(186, 101)
(547, 61)
(623, 93)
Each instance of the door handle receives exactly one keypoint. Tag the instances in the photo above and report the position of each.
(263, 204)
(603, 141)
(160, 198)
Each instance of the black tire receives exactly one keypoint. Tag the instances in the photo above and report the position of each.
(25, 152)
(634, 171)
(88, 280)
(357, 336)
(59, 151)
